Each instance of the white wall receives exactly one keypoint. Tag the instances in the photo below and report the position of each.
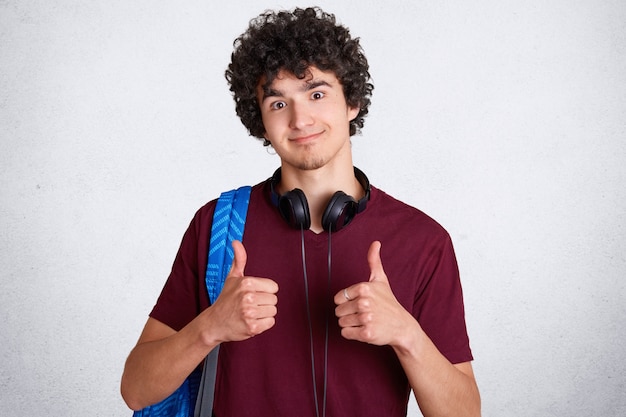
(504, 120)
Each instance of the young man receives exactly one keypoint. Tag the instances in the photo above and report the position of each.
(337, 303)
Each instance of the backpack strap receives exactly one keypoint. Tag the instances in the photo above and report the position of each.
(228, 224)
(229, 221)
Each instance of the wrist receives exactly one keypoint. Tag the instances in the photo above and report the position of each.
(410, 342)
(206, 333)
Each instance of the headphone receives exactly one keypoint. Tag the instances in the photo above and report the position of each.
(339, 212)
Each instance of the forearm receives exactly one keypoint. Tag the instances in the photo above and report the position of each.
(160, 364)
(163, 358)
(440, 388)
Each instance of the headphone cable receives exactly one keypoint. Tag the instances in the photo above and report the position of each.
(308, 309)
(308, 312)
(327, 320)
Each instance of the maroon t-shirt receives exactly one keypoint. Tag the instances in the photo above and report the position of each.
(270, 374)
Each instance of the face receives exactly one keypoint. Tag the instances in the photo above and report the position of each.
(307, 121)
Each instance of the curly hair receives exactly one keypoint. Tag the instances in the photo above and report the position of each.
(294, 41)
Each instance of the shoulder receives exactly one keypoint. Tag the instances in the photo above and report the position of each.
(400, 216)
(204, 215)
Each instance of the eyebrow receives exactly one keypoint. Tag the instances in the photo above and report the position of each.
(307, 86)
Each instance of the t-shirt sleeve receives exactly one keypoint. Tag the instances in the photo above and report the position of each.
(439, 307)
(184, 295)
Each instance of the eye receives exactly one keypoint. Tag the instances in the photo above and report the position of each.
(277, 105)
(317, 95)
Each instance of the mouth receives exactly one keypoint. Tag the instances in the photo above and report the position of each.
(306, 137)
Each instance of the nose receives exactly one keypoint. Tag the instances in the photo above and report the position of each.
(301, 116)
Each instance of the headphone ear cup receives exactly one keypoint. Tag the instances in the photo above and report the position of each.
(294, 208)
(340, 211)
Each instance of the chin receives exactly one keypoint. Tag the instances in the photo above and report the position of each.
(310, 165)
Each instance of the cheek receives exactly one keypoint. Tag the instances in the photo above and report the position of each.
(267, 120)
(272, 125)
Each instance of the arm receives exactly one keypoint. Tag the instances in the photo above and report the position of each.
(440, 388)
(163, 358)
(369, 312)
(160, 362)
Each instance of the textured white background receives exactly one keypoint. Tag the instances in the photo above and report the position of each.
(504, 120)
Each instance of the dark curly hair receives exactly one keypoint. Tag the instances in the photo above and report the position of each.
(294, 41)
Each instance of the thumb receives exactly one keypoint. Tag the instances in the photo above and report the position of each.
(377, 273)
(239, 260)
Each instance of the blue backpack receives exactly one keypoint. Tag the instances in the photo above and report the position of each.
(194, 398)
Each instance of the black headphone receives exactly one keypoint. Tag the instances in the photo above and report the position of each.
(339, 212)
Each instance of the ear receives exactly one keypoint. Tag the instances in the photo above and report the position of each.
(353, 112)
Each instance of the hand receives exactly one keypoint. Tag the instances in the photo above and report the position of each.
(247, 305)
(368, 311)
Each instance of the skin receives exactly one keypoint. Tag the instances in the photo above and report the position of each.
(307, 123)
(370, 313)
(163, 357)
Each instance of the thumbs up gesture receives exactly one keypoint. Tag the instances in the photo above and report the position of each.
(246, 306)
(368, 311)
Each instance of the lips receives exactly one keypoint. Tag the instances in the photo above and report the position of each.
(306, 137)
